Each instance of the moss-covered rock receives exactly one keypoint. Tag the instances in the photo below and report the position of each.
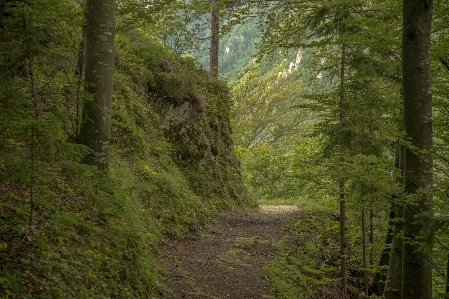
(193, 112)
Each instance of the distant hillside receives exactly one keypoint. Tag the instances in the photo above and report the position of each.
(236, 49)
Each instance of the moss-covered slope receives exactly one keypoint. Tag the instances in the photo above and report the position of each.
(94, 234)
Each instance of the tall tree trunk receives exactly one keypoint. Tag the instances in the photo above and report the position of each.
(393, 287)
(380, 277)
(418, 174)
(344, 272)
(79, 73)
(447, 275)
(364, 264)
(34, 97)
(215, 37)
(371, 237)
(95, 128)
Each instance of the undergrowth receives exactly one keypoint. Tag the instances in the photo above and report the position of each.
(307, 261)
(94, 234)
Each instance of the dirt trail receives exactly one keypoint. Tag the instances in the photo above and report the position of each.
(227, 260)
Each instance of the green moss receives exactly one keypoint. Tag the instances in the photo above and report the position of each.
(95, 234)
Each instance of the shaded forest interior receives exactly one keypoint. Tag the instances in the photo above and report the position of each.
(127, 125)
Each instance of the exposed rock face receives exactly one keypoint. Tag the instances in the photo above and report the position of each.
(184, 127)
(200, 132)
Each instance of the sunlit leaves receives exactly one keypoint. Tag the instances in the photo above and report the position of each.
(268, 108)
(269, 127)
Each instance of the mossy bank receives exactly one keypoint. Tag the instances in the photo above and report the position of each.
(94, 234)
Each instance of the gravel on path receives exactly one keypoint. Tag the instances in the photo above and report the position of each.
(227, 260)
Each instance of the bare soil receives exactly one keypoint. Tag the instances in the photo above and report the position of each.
(227, 260)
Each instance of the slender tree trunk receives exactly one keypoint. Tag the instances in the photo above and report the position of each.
(344, 274)
(393, 287)
(34, 97)
(447, 275)
(95, 129)
(381, 275)
(371, 237)
(79, 73)
(365, 273)
(418, 174)
(215, 37)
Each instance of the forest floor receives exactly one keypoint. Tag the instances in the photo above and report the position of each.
(227, 260)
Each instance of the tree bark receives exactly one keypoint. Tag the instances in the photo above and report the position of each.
(344, 272)
(215, 37)
(79, 73)
(418, 174)
(393, 287)
(381, 275)
(34, 97)
(371, 237)
(95, 128)
(365, 273)
(447, 275)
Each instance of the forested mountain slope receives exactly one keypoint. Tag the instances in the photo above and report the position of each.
(237, 48)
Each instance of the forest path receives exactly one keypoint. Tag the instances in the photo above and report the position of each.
(227, 260)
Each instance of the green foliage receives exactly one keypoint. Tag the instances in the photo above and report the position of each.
(355, 123)
(361, 147)
(68, 230)
(306, 263)
(440, 74)
(270, 131)
(93, 235)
